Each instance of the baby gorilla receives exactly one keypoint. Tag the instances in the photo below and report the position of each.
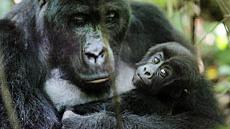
(161, 74)
(168, 84)
(154, 73)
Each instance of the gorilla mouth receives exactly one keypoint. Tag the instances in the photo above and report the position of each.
(96, 78)
(137, 79)
(96, 81)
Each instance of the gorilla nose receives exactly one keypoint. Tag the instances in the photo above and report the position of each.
(94, 54)
(145, 72)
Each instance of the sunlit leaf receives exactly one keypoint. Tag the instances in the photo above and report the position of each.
(222, 42)
(221, 39)
(212, 73)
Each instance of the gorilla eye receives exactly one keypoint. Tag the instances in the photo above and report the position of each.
(79, 19)
(111, 16)
(164, 73)
(156, 60)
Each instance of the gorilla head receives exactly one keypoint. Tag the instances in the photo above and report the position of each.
(84, 38)
(165, 70)
(153, 73)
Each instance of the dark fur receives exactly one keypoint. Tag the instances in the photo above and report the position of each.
(183, 101)
(23, 73)
(25, 41)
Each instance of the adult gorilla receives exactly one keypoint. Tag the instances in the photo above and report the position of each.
(60, 53)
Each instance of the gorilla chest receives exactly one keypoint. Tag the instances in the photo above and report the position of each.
(64, 94)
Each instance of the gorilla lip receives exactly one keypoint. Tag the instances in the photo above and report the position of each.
(99, 80)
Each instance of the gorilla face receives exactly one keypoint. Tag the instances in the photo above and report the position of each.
(153, 73)
(85, 37)
(166, 69)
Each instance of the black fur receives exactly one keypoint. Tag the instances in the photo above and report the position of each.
(148, 27)
(37, 36)
(183, 100)
(23, 73)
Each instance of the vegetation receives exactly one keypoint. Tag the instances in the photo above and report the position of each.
(206, 23)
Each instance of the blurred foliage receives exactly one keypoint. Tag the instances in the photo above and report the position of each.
(5, 6)
(202, 22)
(160, 3)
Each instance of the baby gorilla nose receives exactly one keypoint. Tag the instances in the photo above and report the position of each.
(94, 53)
(145, 73)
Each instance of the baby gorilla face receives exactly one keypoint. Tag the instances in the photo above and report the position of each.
(153, 73)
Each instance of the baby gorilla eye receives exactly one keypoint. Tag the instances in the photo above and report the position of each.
(156, 60)
(164, 72)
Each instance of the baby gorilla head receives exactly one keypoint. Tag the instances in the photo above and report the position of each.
(153, 73)
(167, 68)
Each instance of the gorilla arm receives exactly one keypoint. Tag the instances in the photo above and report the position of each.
(194, 109)
(20, 64)
(106, 120)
